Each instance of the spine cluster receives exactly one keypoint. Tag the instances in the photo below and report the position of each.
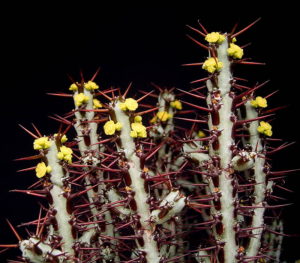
(163, 181)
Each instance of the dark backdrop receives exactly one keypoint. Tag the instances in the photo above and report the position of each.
(40, 44)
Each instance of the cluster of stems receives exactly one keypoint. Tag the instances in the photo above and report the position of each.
(159, 178)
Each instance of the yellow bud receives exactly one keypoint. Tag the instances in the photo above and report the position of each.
(235, 51)
(138, 127)
(122, 106)
(131, 104)
(80, 99)
(265, 128)
(109, 128)
(163, 115)
(176, 104)
(215, 37)
(73, 87)
(97, 104)
(41, 170)
(212, 64)
(118, 126)
(138, 118)
(133, 134)
(201, 134)
(90, 85)
(154, 119)
(63, 139)
(259, 102)
(41, 143)
(60, 156)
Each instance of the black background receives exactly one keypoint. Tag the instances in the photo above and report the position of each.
(139, 43)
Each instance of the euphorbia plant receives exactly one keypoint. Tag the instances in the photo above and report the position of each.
(143, 173)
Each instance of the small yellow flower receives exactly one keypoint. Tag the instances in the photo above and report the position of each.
(133, 134)
(97, 104)
(139, 130)
(122, 106)
(215, 37)
(163, 115)
(201, 134)
(259, 102)
(235, 51)
(138, 118)
(176, 104)
(80, 99)
(265, 128)
(154, 119)
(41, 169)
(65, 154)
(118, 126)
(41, 143)
(131, 104)
(233, 40)
(63, 139)
(73, 87)
(212, 64)
(110, 127)
(90, 85)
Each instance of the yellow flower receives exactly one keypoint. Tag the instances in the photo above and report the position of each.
(110, 127)
(154, 119)
(41, 169)
(118, 126)
(73, 87)
(139, 130)
(80, 99)
(90, 85)
(215, 37)
(122, 106)
(138, 118)
(233, 40)
(97, 104)
(131, 104)
(41, 143)
(212, 64)
(259, 102)
(265, 128)
(65, 154)
(133, 134)
(176, 104)
(201, 134)
(163, 115)
(63, 139)
(235, 51)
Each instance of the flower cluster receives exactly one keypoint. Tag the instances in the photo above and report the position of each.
(97, 104)
(41, 143)
(90, 85)
(212, 64)
(110, 127)
(129, 104)
(265, 128)
(259, 102)
(138, 129)
(176, 104)
(65, 154)
(215, 37)
(80, 99)
(235, 51)
(162, 116)
(41, 169)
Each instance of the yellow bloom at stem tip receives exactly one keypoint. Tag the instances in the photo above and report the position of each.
(65, 154)
(215, 37)
(129, 104)
(176, 104)
(80, 99)
(265, 128)
(138, 118)
(259, 102)
(41, 170)
(97, 104)
(235, 51)
(110, 127)
(73, 87)
(41, 143)
(63, 139)
(201, 134)
(163, 115)
(212, 64)
(90, 85)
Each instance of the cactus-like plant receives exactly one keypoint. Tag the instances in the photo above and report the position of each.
(139, 179)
